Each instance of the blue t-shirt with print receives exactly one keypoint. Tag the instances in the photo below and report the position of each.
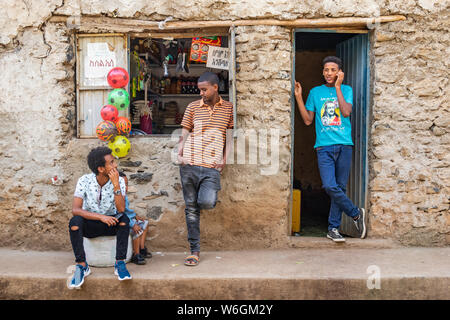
(331, 127)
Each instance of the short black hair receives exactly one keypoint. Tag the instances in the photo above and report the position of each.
(96, 158)
(334, 59)
(210, 77)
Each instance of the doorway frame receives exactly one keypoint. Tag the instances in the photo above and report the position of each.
(366, 116)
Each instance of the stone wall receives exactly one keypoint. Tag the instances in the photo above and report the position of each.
(409, 152)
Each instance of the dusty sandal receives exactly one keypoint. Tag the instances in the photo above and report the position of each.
(191, 260)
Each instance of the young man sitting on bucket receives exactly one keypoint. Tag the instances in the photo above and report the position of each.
(98, 206)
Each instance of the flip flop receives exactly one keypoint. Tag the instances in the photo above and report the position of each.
(192, 260)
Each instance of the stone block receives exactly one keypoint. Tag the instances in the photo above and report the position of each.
(128, 163)
(154, 213)
(142, 178)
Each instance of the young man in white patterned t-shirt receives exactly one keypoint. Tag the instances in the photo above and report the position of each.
(97, 209)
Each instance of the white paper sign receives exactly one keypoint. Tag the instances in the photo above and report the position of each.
(218, 58)
(97, 49)
(98, 62)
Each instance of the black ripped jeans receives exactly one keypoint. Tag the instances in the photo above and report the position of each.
(200, 187)
(93, 229)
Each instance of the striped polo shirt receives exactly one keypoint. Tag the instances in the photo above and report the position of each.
(208, 126)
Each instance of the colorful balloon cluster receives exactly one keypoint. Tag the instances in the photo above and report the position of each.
(113, 128)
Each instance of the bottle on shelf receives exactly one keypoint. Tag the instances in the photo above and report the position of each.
(173, 85)
(189, 86)
(179, 84)
(193, 86)
(168, 87)
(197, 90)
(184, 85)
(162, 88)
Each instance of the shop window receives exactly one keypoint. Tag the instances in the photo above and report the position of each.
(163, 77)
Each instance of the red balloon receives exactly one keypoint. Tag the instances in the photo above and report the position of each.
(118, 77)
(109, 113)
(123, 125)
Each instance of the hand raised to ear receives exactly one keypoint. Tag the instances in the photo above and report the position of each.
(297, 89)
(340, 79)
(114, 176)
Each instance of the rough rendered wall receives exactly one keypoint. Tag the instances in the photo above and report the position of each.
(36, 107)
(409, 162)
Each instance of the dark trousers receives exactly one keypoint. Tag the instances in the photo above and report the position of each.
(94, 228)
(200, 187)
(334, 165)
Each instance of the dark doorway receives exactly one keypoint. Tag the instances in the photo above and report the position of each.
(310, 49)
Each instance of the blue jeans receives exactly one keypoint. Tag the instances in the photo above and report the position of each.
(334, 166)
(200, 187)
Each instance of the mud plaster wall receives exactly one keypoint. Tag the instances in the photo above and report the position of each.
(409, 152)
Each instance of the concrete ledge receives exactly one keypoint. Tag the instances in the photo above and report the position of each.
(405, 273)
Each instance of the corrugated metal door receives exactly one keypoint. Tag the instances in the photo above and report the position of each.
(92, 88)
(354, 54)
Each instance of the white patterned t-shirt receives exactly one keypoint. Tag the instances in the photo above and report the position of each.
(95, 198)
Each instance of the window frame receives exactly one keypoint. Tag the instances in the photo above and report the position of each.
(81, 109)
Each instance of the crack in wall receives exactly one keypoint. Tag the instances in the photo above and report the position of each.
(14, 43)
(27, 6)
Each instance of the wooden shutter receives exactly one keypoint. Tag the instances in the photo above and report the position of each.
(96, 53)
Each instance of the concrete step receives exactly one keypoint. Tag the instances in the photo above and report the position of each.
(327, 273)
(325, 243)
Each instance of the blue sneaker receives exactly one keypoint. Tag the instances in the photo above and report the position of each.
(79, 275)
(120, 270)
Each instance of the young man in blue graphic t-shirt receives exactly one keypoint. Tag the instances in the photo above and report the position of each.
(331, 105)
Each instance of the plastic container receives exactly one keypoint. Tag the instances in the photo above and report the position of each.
(101, 251)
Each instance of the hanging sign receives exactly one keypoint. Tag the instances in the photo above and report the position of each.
(218, 58)
(200, 47)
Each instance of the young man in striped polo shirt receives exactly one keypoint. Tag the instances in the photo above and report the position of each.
(202, 153)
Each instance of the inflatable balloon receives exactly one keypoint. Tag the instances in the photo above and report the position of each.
(118, 77)
(106, 130)
(123, 126)
(109, 113)
(120, 146)
(119, 98)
